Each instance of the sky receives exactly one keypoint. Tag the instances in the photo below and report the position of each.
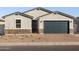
(74, 11)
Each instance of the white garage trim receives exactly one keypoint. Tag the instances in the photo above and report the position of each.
(71, 28)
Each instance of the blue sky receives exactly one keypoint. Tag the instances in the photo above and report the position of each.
(74, 11)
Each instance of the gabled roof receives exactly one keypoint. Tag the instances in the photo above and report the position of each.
(18, 13)
(39, 8)
(61, 13)
(64, 14)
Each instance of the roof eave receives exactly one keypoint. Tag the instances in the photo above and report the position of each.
(19, 13)
(64, 14)
(39, 8)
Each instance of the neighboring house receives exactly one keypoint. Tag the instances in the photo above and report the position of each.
(2, 26)
(17, 23)
(77, 24)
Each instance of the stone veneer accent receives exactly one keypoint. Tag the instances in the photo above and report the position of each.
(25, 31)
(17, 31)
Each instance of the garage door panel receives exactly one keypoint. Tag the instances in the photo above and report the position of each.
(55, 26)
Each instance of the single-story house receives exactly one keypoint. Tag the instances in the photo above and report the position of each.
(39, 20)
(17, 22)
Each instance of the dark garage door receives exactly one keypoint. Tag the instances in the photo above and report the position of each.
(56, 27)
(1, 29)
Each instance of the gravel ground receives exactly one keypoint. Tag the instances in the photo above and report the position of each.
(39, 38)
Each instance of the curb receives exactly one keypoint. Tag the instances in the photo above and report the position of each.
(39, 43)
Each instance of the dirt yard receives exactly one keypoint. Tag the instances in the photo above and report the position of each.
(39, 38)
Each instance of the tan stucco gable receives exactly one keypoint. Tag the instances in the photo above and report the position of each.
(36, 12)
(10, 22)
(18, 13)
(54, 16)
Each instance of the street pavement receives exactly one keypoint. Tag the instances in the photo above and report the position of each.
(41, 48)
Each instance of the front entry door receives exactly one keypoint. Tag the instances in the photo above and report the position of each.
(34, 26)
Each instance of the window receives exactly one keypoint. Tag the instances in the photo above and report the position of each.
(18, 23)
